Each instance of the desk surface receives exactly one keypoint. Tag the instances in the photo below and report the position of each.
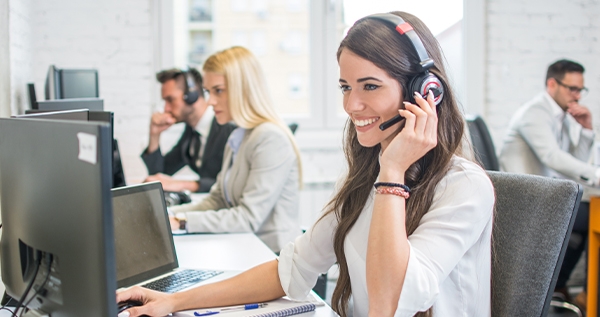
(235, 251)
(225, 252)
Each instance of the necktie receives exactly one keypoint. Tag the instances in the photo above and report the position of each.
(194, 151)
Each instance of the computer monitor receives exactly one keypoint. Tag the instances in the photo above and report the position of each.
(87, 115)
(71, 104)
(71, 83)
(77, 114)
(58, 232)
(32, 96)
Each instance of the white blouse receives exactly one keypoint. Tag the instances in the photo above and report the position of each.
(449, 265)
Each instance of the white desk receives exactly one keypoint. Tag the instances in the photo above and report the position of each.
(234, 251)
(225, 252)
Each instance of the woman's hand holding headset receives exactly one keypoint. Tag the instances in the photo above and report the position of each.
(418, 137)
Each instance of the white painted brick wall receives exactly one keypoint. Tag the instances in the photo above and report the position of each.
(4, 60)
(523, 38)
(115, 37)
(21, 52)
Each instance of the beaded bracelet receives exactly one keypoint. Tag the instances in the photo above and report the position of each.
(385, 184)
(398, 191)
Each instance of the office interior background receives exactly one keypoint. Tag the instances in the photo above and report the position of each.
(497, 53)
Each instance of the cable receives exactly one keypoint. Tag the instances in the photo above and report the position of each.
(28, 288)
(7, 302)
(49, 260)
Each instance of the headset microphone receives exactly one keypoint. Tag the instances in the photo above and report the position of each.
(390, 122)
(423, 82)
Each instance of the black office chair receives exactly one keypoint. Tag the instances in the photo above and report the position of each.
(483, 145)
(533, 219)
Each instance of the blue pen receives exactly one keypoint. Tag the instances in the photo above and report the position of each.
(228, 309)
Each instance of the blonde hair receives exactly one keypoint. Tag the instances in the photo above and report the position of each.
(249, 101)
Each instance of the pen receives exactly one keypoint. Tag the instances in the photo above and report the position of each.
(228, 309)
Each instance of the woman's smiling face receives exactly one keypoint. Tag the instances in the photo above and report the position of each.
(371, 97)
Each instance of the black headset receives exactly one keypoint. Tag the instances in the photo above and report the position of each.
(424, 81)
(191, 92)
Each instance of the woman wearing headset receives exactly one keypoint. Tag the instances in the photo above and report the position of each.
(257, 189)
(411, 223)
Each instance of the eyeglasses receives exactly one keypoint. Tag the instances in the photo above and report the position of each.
(574, 90)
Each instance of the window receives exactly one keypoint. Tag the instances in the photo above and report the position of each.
(296, 42)
(275, 31)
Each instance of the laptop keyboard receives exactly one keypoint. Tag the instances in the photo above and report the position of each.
(180, 280)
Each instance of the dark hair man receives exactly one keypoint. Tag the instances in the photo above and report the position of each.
(202, 143)
(552, 135)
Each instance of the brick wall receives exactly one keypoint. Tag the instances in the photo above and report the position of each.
(20, 25)
(4, 61)
(115, 37)
(523, 38)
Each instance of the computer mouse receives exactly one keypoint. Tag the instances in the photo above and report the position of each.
(128, 304)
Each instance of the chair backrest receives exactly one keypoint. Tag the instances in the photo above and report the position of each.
(533, 220)
(482, 143)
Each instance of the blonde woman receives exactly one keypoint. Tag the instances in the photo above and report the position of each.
(257, 189)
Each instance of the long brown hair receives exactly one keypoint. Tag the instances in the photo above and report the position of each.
(379, 43)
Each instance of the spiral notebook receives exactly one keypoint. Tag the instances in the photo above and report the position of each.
(289, 311)
(276, 308)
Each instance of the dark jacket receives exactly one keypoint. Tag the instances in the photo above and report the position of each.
(178, 156)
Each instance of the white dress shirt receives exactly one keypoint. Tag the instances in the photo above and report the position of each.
(542, 139)
(449, 265)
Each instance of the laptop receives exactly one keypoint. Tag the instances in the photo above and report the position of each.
(145, 252)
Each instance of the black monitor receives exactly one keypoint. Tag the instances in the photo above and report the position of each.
(71, 104)
(32, 96)
(57, 241)
(71, 83)
(87, 115)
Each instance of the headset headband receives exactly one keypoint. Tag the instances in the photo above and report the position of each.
(189, 79)
(406, 29)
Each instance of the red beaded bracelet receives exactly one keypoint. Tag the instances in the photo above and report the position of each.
(398, 191)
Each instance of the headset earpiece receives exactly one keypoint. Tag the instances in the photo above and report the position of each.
(423, 83)
(191, 92)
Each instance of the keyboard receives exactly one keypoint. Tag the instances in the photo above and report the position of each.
(180, 280)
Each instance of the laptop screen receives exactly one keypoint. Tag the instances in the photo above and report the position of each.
(143, 241)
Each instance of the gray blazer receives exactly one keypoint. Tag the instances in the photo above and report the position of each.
(531, 145)
(263, 188)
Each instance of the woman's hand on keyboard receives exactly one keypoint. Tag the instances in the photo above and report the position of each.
(154, 303)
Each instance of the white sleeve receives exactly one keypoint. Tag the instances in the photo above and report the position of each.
(301, 262)
(536, 129)
(266, 179)
(584, 147)
(462, 209)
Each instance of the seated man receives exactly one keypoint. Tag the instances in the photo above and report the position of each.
(552, 135)
(202, 143)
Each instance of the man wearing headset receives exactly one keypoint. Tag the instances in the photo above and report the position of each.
(202, 143)
(552, 135)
